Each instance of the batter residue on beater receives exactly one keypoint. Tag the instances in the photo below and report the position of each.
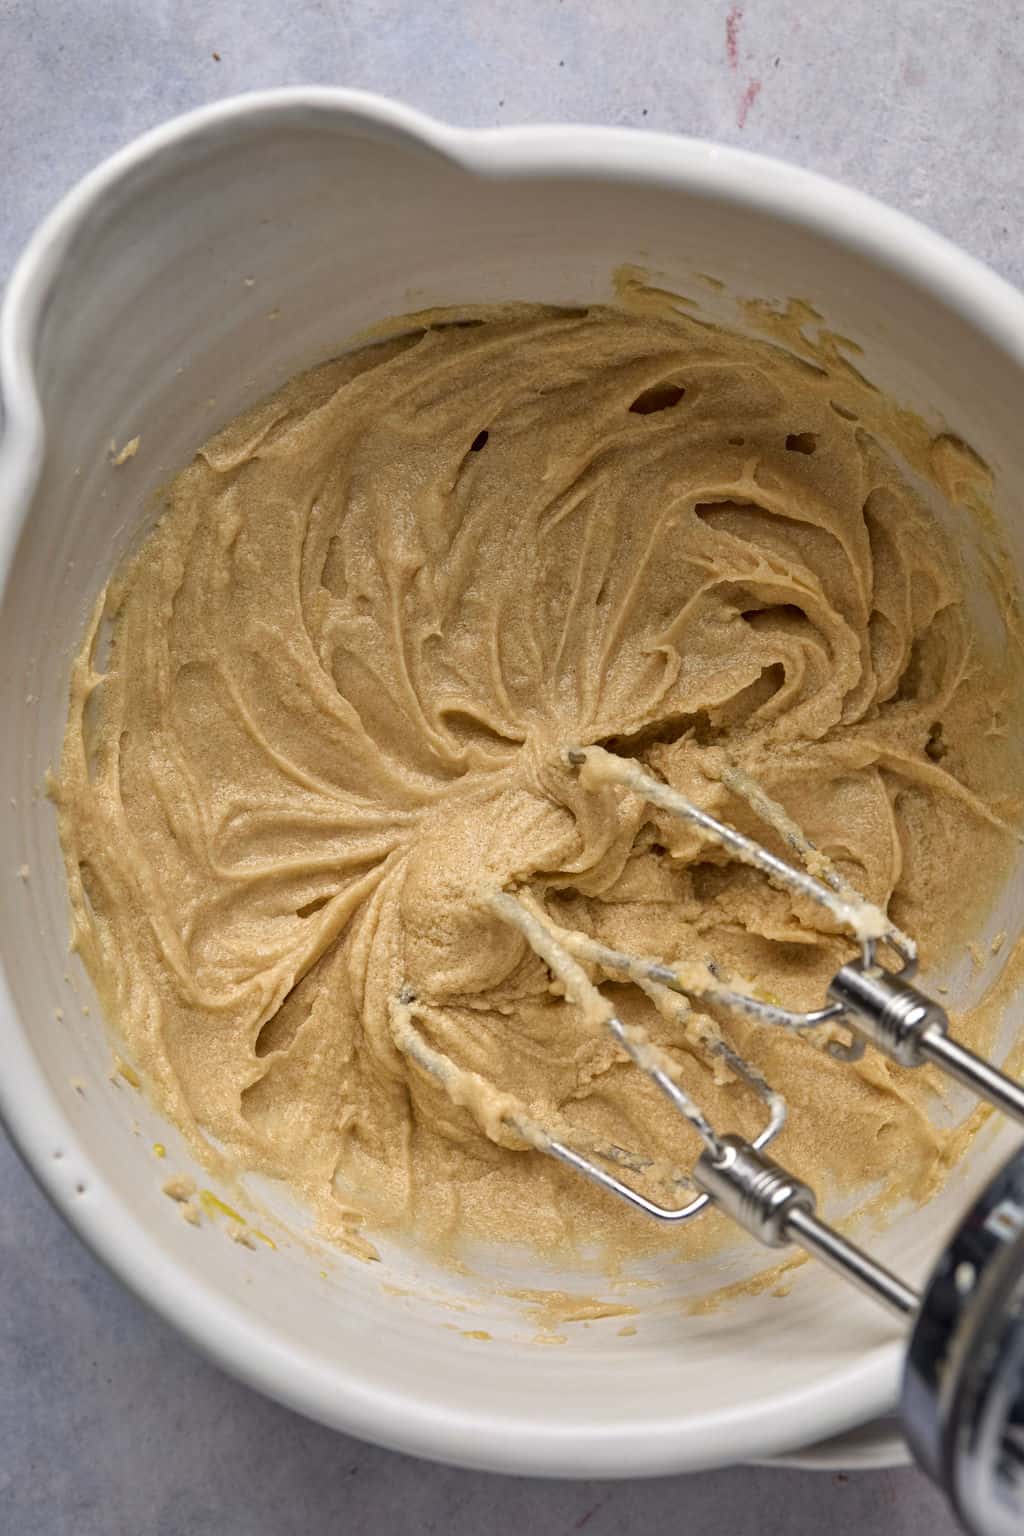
(343, 669)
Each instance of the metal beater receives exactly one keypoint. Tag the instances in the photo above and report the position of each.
(962, 1399)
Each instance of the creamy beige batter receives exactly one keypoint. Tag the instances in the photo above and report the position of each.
(343, 670)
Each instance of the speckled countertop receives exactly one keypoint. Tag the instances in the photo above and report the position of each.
(109, 1425)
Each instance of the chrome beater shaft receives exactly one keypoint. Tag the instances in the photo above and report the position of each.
(911, 1029)
(778, 1209)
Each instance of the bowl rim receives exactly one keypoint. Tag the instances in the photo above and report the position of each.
(28, 1106)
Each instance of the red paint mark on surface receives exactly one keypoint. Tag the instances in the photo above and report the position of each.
(747, 100)
(732, 36)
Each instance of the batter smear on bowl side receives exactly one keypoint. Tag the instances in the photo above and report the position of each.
(343, 671)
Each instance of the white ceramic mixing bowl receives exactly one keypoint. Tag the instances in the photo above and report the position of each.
(177, 284)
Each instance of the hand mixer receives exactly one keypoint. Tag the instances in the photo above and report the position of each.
(962, 1399)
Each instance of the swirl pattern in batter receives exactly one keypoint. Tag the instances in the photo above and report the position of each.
(343, 669)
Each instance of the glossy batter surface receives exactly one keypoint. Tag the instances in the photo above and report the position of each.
(342, 673)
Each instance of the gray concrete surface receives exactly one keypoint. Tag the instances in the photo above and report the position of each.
(109, 1425)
